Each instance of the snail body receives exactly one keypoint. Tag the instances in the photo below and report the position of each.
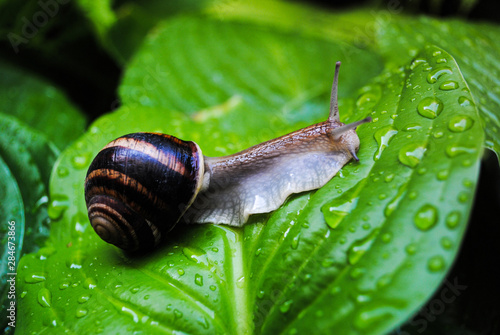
(140, 185)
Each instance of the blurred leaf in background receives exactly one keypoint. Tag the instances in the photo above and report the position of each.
(53, 40)
(40, 106)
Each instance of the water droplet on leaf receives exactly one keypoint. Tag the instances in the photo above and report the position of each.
(383, 136)
(57, 206)
(130, 312)
(204, 323)
(62, 171)
(90, 283)
(464, 101)
(285, 307)
(44, 297)
(463, 197)
(369, 98)
(449, 85)
(436, 263)
(198, 280)
(467, 183)
(411, 249)
(389, 177)
(359, 247)
(412, 127)
(45, 252)
(438, 134)
(416, 62)
(335, 211)
(362, 298)
(443, 174)
(177, 314)
(386, 237)
(446, 243)
(411, 153)
(295, 241)
(335, 290)
(81, 312)
(426, 217)
(384, 280)
(327, 262)
(34, 278)
(435, 74)
(240, 282)
(368, 317)
(81, 161)
(436, 53)
(196, 255)
(356, 273)
(421, 171)
(460, 123)
(84, 298)
(454, 150)
(430, 107)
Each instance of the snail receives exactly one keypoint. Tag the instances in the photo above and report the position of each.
(140, 185)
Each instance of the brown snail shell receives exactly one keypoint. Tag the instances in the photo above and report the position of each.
(138, 187)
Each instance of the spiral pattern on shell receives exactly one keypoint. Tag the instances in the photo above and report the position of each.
(139, 185)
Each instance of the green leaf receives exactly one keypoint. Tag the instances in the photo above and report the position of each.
(26, 158)
(30, 158)
(299, 269)
(100, 13)
(349, 26)
(39, 105)
(398, 217)
(475, 47)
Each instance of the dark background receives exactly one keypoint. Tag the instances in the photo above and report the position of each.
(69, 56)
